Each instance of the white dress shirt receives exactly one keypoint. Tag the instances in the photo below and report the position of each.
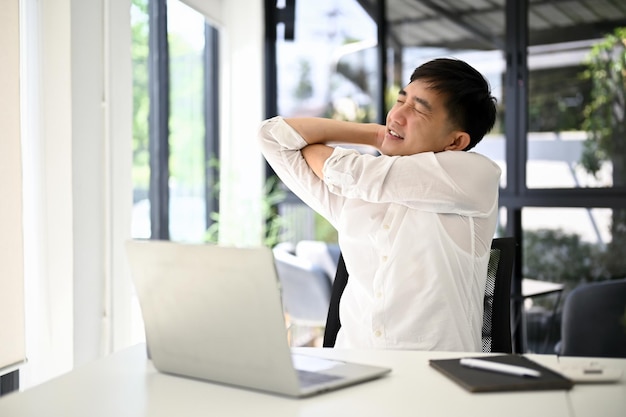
(415, 232)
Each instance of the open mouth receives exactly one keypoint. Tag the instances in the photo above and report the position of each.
(394, 134)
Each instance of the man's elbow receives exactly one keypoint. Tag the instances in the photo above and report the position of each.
(315, 156)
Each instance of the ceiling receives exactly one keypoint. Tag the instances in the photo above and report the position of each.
(480, 24)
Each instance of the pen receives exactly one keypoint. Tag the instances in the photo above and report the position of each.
(499, 367)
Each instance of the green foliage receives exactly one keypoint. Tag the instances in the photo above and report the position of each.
(614, 259)
(141, 99)
(605, 122)
(212, 232)
(274, 223)
(604, 115)
(186, 122)
(556, 256)
(556, 99)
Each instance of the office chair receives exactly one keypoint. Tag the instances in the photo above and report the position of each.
(496, 330)
(333, 324)
(305, 293)
(594, 320)
(323, 254)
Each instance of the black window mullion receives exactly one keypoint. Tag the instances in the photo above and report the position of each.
(211, 120)
(381, 14)
(159, 119)
(516, 127)
(271, 18)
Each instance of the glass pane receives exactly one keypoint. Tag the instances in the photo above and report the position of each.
(140, 226)
(564, 247)
(186, 37)
(502, 223)
(141, 109)
(576, 95)
(329, 67)
(187, 166)
(328, 70)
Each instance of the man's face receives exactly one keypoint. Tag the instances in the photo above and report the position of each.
(418, 122)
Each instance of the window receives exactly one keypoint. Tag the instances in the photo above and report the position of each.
(328, 69)
(175, 143)
(557, 71)
(573, 216)
(175, 147)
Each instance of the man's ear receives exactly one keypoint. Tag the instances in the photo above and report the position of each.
(460, 141)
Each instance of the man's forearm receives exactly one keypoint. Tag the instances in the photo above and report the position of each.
(317, 132)
(322, 130)
(315, 156)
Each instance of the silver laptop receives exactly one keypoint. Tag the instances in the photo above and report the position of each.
(214, 313)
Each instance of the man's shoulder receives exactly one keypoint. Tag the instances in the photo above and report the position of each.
(466, 155)
(474, 162)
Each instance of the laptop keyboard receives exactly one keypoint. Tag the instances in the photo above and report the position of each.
(308, 378)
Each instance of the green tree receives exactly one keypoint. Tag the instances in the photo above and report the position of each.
(605, 123)
(141, 100)
(555, 256)
(604, 115)
(186, 121)
(276, 228)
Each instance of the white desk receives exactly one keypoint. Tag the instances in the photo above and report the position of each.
(126, 384)
(533, 287)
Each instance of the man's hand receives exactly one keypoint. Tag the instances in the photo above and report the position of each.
(380, 136)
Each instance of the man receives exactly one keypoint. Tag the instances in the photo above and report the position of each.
(415, 224)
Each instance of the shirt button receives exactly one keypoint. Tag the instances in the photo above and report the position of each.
(377, 333)
(386, 226)
(379, 294)
(384, 258)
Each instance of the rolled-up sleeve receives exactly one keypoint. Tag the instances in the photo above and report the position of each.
(454, 182)
(445, 182)
(281, 145)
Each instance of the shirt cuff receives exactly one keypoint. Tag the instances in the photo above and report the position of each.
(286, 135)
(334, 175)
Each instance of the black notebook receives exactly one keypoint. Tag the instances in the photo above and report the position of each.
(479, 380)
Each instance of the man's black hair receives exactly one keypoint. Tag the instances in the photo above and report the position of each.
(467, 95)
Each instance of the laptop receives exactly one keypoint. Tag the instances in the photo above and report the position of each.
(214, 313)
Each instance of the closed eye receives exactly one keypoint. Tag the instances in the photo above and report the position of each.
(418, 110)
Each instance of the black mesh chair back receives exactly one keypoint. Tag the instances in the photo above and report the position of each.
(594, 320)
(333, 324)
(496, 331)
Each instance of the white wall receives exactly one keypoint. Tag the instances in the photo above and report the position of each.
(12, 348)
(242, 109)
(47, 170)
(77, 139)
(101, 160)
(78, 190)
